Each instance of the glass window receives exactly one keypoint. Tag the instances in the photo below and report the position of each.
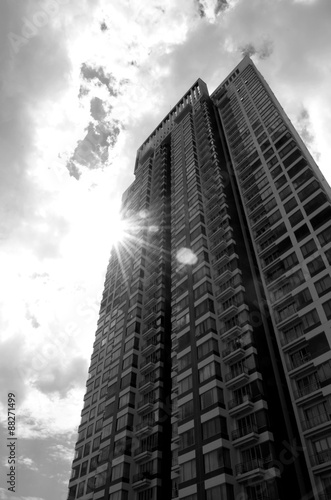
(185, 384)
(208, 371)
(323, 285)
(187, 471)
(316, 265)
(211, 397)
(217, 459)
(187, 439)
(308, 248)
(327, 308)
(325, 236)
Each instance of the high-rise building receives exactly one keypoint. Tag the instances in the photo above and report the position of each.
(210, 376)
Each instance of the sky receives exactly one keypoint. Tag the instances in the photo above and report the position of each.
(82, 85)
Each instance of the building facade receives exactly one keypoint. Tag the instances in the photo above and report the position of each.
(210, 376)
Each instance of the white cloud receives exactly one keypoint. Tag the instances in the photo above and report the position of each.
(27, 462)
(56, 231)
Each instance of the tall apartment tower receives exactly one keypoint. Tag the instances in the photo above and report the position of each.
(210, 376)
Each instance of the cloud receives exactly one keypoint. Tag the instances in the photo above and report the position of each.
(97, 76)
(62, 379)
(5, 496)
(262, 51)
(304, 126)
(60, 452)
(27, 462)
(221, 6)
(200, 8)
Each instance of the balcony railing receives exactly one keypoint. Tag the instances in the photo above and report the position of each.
(146, 401)
(146, 423)
(321, 458)
(322, 418)
(234, 346)
(308, 389)
(141, 476)
(243, 431)
(293, 335)
(256, 463)
(239, 401)
(235, 373)
(295, 363)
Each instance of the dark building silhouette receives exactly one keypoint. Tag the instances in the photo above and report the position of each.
(210, 376)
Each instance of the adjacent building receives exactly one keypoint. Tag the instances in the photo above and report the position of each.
(210, 376)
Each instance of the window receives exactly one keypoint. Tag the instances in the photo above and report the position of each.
(217, 459)
(310, 320)
(186, 410)
(84, 468)
(308, 248)
(285, 193)
(323, 444)
(328, 255)
(184, 361)
(205, 326)
(327, 308)
(205, 306)
(207, 347)
(213, 427)
(129, 379)
(126, 421)
(208, 371)
(325, 236)
(315, 266)
(302, 232)
(121, 471)
(320, 219)
(185, 384)
(187, 471)
(87, 448)
(315, 203)
(221, 491)
(80, 491)
(126, 400)
(96, 443)
(204, 271)
(106, 431)
(211, 397)
(296, 218)
(187, 439)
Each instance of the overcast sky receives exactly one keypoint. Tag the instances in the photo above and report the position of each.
(82, 84)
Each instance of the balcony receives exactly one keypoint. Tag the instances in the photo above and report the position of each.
(236, 378)
(144, 428)
(230, 333)
(295, 334)
(312, 422)
(321, 460)
(147, 366)
(234, 352)
(300, 361)
(149, 332)
(145, 405)
(228, 311)
(244, 436)
(141, 454)
(241, 405)
(224, 293)
(147, 384)
(251, 471)
(141, 480)
(307, 390)
(150, 315)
